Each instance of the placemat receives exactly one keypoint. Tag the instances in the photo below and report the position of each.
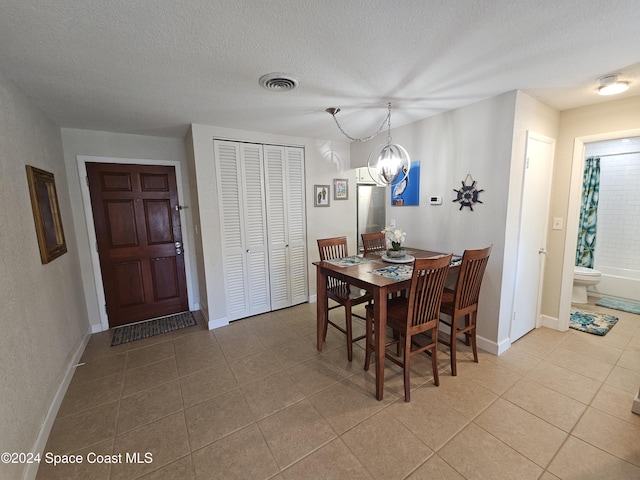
(404, 272)
(347, 261)
(395, 272)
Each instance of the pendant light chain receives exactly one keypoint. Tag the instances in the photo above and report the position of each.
(386, 121)
(389, 124)
(393, 160)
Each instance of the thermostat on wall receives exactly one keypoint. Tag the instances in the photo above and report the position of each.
(435, 200)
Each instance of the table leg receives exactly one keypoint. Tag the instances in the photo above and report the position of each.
(321, 305)
(380, 327)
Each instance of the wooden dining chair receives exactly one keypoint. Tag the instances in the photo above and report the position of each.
(462, 303)
(414, 315)
(373, 242)
(342, 293)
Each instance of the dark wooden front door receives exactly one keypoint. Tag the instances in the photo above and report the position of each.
(139, 240)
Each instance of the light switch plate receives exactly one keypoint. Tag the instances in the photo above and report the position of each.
(557, 223)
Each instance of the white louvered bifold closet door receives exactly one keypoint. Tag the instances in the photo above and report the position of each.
(256, 228)
(239, 173)
(296, 215)
(284, 167)
(277, 225)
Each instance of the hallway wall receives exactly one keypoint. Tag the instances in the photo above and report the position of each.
(44, 319)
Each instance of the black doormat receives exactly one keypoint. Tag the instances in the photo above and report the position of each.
(149, 328)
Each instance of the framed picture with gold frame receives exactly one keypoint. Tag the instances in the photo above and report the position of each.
(46, 214)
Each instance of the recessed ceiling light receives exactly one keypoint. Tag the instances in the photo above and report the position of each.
(279, 82)
(609, 85)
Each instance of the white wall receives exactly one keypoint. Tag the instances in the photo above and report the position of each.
(43, 320)
(487, 140)
(337, 219)
(118, 145)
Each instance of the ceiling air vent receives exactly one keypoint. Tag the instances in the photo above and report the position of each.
(279, 82)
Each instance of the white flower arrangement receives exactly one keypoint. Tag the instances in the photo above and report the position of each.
(395, 237)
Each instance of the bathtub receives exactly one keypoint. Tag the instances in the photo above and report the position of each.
(617, 282)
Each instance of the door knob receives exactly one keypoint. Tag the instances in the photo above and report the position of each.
(178, 244)
(542, 251)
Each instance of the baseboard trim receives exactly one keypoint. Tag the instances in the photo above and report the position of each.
(97, 328)
(493, 347)
(636, 404)
(550, 322)
(31, 469)
(217, 323)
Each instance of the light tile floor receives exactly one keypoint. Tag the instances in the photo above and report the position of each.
(256, 400)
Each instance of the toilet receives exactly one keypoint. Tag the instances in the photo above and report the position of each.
(582, 278)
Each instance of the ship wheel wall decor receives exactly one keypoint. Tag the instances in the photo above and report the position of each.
(468, 193)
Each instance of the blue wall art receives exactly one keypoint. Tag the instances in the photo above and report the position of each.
(405, 191)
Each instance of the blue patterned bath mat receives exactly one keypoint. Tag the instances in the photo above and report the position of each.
(596, 323)
(617, 304)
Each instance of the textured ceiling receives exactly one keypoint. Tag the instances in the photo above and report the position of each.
(155, 66)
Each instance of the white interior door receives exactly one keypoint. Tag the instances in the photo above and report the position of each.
(533, 234)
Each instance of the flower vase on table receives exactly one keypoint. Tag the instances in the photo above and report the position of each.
(396, 253)
(395, 237)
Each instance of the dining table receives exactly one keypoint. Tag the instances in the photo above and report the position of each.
(381, 276)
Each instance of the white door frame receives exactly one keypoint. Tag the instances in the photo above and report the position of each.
(573, 218)
(91, 228)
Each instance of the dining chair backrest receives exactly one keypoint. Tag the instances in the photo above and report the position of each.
(341, 292)
(472, 268)
(425, 294)
(373, 242)
(331, 248)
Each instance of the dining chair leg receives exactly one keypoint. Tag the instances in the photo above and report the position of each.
(434, 360)
(474, 345)
(369, 341)
(349, 330)
(467, 335)
(407, 368)
(452, 348)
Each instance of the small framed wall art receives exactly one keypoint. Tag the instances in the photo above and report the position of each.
(340, 189)
(321, 195)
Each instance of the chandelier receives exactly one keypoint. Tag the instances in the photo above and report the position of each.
(391, 160)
